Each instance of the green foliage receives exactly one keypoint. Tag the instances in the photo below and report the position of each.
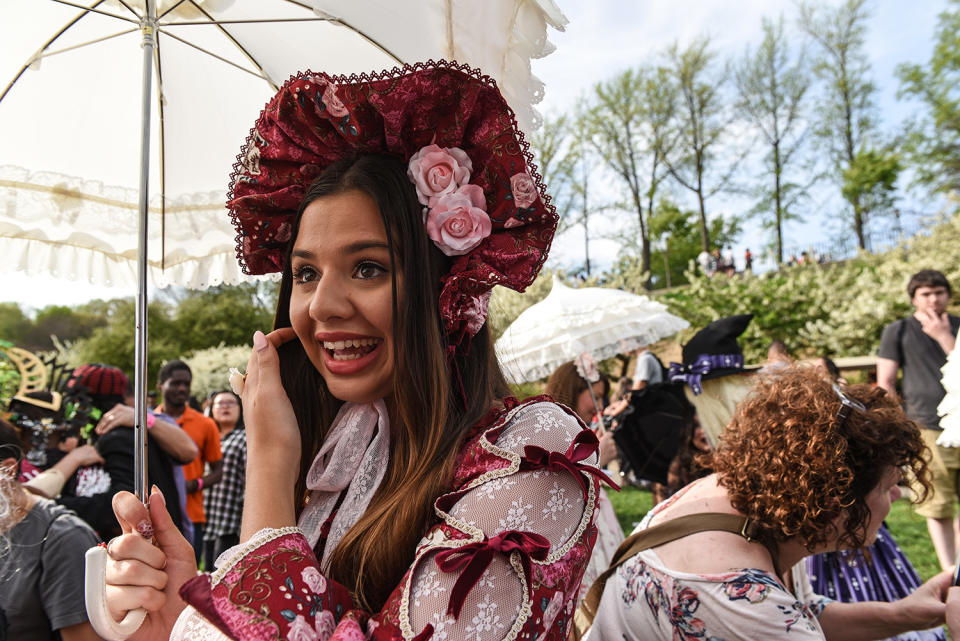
(66, 323)
(194, 321)
(836, 309)
(933, 142)
(14, 324)
(628, 122)
(702, 159)
(220, 316)
(908, 528)
(211, 367)
(846, 110)
(678, 232)
(870, 180)
(555, 158)
(9, 380)
(113, 344)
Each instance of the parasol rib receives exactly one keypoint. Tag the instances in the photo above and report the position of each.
(213, 55)
(130, 9)
(195, 23)
(451, 54)
(53, 52)
(243, 50)
(86, 11)
(170, 9)
(331, 19)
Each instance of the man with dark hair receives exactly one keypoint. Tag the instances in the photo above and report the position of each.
(919, 345)
(174, 381)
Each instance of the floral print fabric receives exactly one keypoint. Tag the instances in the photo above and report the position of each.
(646, 600)
(507, 553)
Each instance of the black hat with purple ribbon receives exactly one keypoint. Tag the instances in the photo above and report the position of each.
(711, 353)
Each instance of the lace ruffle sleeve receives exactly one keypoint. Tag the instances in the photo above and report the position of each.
(507, 558)
(503, 562)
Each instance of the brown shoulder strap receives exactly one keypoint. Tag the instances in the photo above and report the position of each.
(651, 537)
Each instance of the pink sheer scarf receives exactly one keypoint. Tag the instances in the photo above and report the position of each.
(353, 457)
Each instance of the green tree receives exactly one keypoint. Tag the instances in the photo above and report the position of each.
(14, 324)
(846, 112)
(224, 315)
(702, 122)
(678, 234)
(871, 180)
(628, 122)
(933, 141)
(66, 323)
(113, 343)
(772, 87)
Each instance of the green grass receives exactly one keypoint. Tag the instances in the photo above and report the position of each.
(908, 528)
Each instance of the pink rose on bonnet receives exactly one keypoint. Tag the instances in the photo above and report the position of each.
(436, 171)
(524, 190)
(458, 222)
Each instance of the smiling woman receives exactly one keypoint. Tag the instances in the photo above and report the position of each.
(341, 303)
(426, 500)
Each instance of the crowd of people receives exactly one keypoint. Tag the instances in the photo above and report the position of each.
(371, 476)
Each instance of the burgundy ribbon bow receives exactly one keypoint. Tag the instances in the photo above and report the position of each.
(474, 558)
(583, 445)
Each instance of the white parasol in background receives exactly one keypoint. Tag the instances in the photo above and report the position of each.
(568, 322)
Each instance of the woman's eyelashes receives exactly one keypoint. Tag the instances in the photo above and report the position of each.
(304, 274)
(365, 270)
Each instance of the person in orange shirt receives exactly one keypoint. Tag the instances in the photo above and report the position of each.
(174, 383)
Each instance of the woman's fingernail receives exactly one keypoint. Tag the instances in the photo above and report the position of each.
(145, 529)
(259, 341)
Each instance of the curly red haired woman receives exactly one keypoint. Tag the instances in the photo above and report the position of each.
(804, 467)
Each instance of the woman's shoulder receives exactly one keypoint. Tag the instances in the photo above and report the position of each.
(538, 421)
(502, 438)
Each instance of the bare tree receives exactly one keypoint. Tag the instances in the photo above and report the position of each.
(772, 89)
(551, 150)
(846, 115)
(628, 125)
(567, 166)
(702, 122)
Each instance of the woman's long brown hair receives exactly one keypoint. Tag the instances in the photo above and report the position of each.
(434, 407)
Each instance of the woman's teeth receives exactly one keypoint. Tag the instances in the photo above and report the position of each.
(351, 349)
(354, 342)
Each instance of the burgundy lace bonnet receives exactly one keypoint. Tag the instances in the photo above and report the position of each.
(316, 119)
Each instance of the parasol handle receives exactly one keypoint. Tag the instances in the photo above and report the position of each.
(95, 584)
(596, 407)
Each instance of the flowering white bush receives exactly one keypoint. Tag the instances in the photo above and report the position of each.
(837, 309)
(211, 367)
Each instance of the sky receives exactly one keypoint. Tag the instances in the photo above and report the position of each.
(897, 32)
(605, 37)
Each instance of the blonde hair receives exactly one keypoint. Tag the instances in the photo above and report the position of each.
(717, 403)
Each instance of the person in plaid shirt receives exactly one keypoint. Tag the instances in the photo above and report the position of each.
(223, 504)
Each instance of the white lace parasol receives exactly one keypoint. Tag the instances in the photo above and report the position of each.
(568, 322)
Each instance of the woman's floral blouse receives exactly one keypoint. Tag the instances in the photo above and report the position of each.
(646, 600)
